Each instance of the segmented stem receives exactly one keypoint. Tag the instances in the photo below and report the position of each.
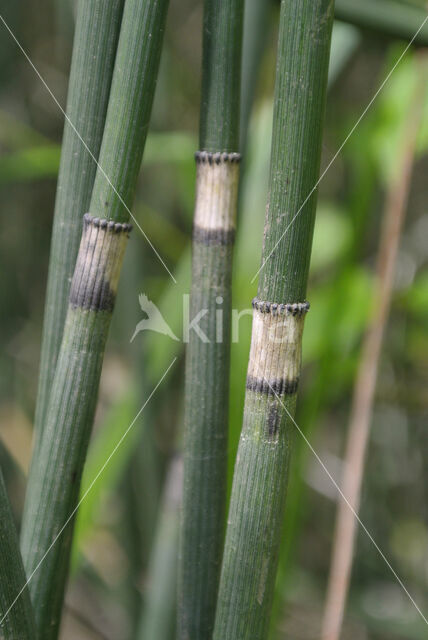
(208, 351)
(55, 474)
(16, 612)
(259, 486)
(94, 51)
(159, 614)
(54, 478)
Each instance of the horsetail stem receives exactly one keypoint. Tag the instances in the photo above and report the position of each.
(16, 612)
(94, 50)
(208, 351)
(159, 614)
(54, 478)
(129, 108)
(221, 75)
(260, 478)
(55, 474)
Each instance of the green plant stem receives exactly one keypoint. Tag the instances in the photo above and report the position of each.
(208, 349)
(129, 109)
(392, 17)
(55, 473)
(260, 478)
(94, 51)
(18, 623)
(255, 34)
(159, 613)
(221, 75)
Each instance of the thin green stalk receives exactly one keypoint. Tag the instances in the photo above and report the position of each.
(393, 17)
(221, 75)
(208, 351)
(159, 614)
(55, 474)
(94, 51)
(255, 34)
(260, 478)
(16, 618)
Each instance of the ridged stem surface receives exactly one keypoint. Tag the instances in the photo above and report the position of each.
(207, 394)
(130, 106)
(208, 349)
(94, 51)
(55, 474)
(260, 478)
(18, 623)
(221, 75)
(54, 478)
(159, 614)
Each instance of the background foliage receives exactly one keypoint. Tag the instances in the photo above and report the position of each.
(116, 522)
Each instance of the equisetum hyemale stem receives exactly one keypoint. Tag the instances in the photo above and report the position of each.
(52, 495)
(160, 607)
(94, 51)
(208, 350)
(275, 355)
(56, 471)
(260, 479)
(206, 399)
(16, 612)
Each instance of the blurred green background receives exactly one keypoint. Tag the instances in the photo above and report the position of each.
(116, 524)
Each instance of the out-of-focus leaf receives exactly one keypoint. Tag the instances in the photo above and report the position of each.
(353, 303)
(332, 235)
(33, 163)
(161, 349)
(394, 103)
(17, 135)
(174, 146)
(344, 42)
(416, 298)
(116, 422)
(42, 161)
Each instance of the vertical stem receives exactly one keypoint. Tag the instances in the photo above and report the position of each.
(221, 75)
(365, 385)
(18, 623)
(55, 474)
(255, 34)
(54, 479)
(159, 614)
(208, 351)
(260, 478)
(129, 109)
(94, 51)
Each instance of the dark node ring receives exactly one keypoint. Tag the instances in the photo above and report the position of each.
(276, 387)
(295, 308)
(103, 223)
(203, 157)
(210, 237)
